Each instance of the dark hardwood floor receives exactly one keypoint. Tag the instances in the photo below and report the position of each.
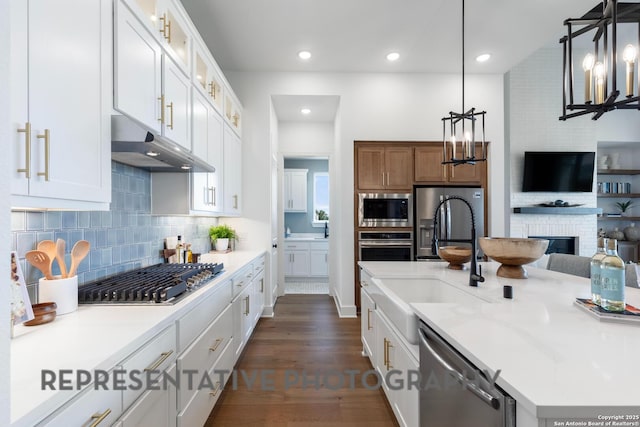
(305, 336)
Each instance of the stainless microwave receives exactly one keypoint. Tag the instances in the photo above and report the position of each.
(385, 210)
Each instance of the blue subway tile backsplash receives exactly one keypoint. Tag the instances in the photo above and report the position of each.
(122, 239)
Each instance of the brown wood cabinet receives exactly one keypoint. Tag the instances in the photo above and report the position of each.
(384, 167)
(428, 168)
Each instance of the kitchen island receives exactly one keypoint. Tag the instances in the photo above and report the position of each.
(557, 361)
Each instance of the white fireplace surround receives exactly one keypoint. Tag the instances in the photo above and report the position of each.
(584, 227)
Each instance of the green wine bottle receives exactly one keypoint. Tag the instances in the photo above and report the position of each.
(596, 264)
(612, 279)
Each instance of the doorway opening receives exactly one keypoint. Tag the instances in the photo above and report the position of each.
(306, 216)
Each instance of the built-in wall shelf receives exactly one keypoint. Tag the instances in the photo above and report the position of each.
(541, 210)
(619, 195)
(619, 218)
(618, 171)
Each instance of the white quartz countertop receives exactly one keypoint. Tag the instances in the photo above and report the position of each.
(92, 338)
(306, 237)
(554, 358)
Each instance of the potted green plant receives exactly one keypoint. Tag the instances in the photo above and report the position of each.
(220, 235)
(624, 206)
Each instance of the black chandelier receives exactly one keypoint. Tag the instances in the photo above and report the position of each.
(461, 137)
(601, 92)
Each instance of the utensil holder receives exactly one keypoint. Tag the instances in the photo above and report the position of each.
(64, 292)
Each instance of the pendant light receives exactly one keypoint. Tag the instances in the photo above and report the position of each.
(600, 66)
(459, 129)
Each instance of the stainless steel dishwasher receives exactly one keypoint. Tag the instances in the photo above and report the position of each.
(454, 392)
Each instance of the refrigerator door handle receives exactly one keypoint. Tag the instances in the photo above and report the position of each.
(448, 210)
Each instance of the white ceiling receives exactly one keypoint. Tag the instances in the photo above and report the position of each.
(356, 35)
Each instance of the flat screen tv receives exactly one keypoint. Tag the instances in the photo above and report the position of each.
(558, 171)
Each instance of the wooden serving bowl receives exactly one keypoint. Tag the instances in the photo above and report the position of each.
(44, 313)
(513, 253)
(456, 255)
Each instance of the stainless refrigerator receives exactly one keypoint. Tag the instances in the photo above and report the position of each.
(454, 218)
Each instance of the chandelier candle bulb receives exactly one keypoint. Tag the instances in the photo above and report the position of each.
(598, 71)
(587, 66)
(629, 56)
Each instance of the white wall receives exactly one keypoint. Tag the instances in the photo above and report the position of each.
(533, 104)
(401, 107)
(5, 215)
(301, 138)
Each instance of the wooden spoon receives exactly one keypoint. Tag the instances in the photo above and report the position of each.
(40, 260)
(49, 248)
(79, 251)
(60, 257)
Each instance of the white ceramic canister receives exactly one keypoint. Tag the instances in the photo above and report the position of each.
(64, 292)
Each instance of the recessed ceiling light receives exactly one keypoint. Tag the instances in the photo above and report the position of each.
(304, 54)
(393, 56)
(153, 153)
(305, 111)
(483, 58)
(177, 148)
(185, 167)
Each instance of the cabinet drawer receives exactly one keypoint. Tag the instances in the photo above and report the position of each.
(301, 246)
(205, 351)
(258, 265)
(154, 408)
(91, 406)
(156, 355)
(193, 323)
(242, 279)
(199, 407)
(319, 246)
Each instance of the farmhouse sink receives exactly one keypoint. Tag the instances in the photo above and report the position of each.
(393, 296)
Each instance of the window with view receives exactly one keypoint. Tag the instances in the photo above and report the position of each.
(320, 198)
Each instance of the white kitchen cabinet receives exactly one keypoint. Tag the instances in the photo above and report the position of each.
(319, 259)
(148, 85)
(60, 96)
(391, 354)
(232, 111)
(207, 76)
(156, 407)
(241, 306)
(367, 323)
(257, 302)
(137, 69)
(176, 33)
(232, 181)
(295, 190)
(207, 144)
(296, 259)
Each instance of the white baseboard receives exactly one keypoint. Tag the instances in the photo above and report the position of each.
(349, 311)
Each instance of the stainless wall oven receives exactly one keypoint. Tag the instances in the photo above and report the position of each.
(385, 245)
(385, 210)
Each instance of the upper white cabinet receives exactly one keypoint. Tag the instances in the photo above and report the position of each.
(232, 111)
(206, 76)
(295, 190)
(60, 95)
(232, 172)
(148, 85)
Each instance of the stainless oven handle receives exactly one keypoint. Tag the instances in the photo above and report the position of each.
(385, 243)
(483, 395)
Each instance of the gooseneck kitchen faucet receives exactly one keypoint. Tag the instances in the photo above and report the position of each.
(475, 275)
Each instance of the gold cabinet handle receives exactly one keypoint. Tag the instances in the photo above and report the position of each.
(216, 390)
(161, 99)
(383, 179)
(98, 417)
(387, 358)
(384, 352)
(170, 107)
(246, 312)
(216, 344)
(235, 119)
(369, 327)
(166, 28)
(213, 89)
(163, 356)
(47, 138)
(27, 149)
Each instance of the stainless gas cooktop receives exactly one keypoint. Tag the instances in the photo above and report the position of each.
(161, 284)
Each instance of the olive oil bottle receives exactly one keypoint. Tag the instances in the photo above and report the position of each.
(596, 265)
(612, 279)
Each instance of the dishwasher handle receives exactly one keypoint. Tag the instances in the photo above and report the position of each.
(483, 395)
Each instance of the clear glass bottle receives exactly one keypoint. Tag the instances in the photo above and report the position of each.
(612, 279)
(179, 251)
(596, 264)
